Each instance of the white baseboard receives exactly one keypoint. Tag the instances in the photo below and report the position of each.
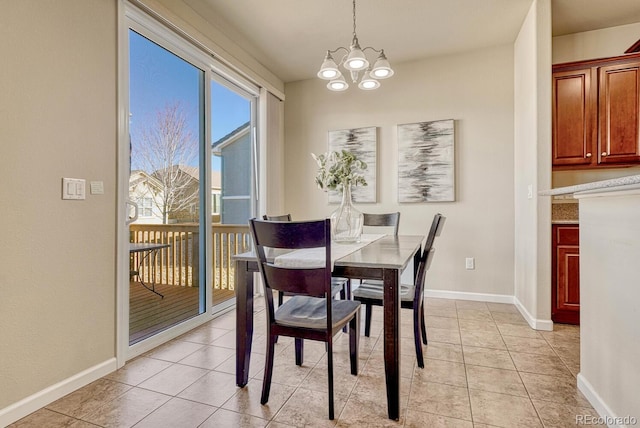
(48, 395)
(461, 295)
(534, 323)
(598, 404)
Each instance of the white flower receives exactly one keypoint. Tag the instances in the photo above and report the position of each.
(338, 169)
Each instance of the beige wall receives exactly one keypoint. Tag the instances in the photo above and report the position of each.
(533, 166)
(602, 43)
(58, 119)
(474, 89)
(589, 45)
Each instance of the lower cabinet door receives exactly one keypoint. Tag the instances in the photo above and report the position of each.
(565, 305)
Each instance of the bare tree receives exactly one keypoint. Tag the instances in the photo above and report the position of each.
(165, 149)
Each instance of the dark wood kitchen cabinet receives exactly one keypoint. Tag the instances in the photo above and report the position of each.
(619, 113)
(596, 113)
(565, 275)
(573, 112)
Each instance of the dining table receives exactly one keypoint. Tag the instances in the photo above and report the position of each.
(384, 258)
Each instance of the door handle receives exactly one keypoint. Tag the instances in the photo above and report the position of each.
(131, 219)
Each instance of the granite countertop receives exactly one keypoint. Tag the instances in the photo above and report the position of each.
(596, 185)
(564, 213)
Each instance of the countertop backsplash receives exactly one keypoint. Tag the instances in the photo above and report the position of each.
(564, 213)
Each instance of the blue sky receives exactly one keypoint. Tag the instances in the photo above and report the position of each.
(158, 77)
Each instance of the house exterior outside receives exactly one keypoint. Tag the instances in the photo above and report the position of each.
(236, 196)
(146, 190)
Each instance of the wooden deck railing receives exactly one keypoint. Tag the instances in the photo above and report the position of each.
(178, 264)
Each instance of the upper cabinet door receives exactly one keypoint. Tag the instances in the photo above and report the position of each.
(573, 117)
(619, 113)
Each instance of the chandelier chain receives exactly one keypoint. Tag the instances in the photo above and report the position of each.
(354, 20)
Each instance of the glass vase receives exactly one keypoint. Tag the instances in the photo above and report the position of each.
(346, 220)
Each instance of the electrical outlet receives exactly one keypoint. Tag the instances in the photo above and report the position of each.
(470, 263)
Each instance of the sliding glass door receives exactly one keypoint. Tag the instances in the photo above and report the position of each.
(233, 132)
(165, 183)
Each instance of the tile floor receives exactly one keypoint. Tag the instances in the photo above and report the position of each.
(485, 367)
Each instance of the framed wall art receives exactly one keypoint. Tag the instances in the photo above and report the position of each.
(426, 158)
(363, 143)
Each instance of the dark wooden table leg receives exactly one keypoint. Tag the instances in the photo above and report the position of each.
(244, 320)
(391, 279)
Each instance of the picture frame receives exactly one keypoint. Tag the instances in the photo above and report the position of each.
(426, 162)
(363, 143)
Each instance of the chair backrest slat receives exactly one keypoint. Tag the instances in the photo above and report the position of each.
(291, 234)
(283, 217)
(389, 219)
(308, 282)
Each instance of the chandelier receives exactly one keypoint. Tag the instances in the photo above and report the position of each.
(355, 61)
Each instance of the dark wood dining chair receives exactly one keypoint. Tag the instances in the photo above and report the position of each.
(340, 286)
(311, 313)
(370, 292)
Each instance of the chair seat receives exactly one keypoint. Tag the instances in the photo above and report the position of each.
(373, 289)
(311, 312)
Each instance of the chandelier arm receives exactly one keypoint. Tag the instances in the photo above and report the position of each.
(373, 49)
(337, 49)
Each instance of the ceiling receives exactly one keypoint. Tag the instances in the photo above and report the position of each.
(290, 37)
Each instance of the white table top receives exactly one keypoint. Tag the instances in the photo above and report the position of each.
(314, 257)
(390, 252)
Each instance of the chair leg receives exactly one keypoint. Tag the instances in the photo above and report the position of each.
(367, 320)
(299, 345)
(354, 342)
(348, 287)
(343, 296)
(417, 336)
(280, 297)
(330, 370)
(268, 369)
(424, 326)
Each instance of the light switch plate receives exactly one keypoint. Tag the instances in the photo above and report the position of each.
(73, 188)
(470, 263)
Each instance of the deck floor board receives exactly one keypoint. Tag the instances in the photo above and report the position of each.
(150, 314)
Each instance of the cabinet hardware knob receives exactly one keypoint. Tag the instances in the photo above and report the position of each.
(588, 155)
(604, 153)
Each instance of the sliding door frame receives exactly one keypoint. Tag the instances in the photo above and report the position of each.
(131, 17)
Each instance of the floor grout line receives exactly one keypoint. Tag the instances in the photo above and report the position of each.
(374, 352)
